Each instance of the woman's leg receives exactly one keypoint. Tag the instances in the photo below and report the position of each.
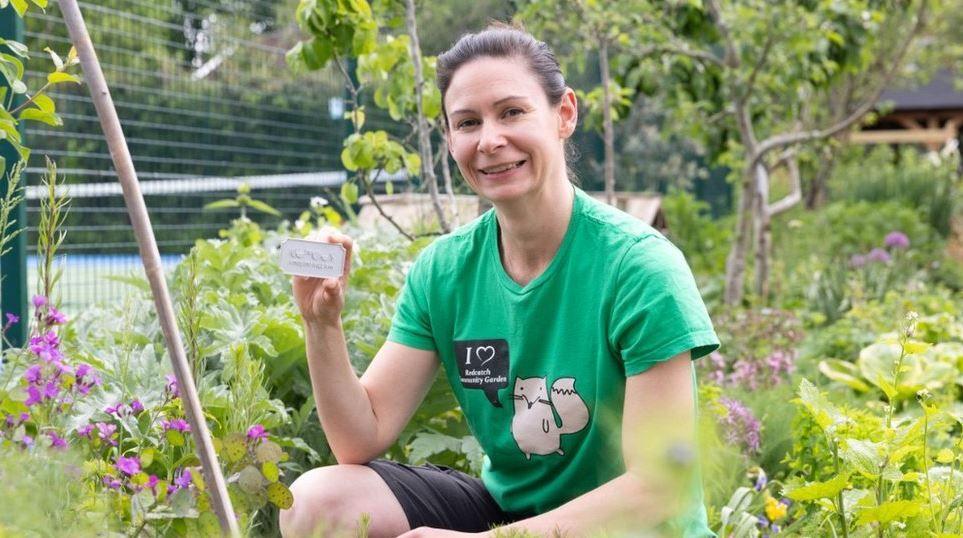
(331, 500)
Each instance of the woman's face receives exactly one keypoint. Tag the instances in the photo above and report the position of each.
(504, 134)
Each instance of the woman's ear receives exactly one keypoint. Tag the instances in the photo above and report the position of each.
(567, 114)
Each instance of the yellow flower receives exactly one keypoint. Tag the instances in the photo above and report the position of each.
(775, 510)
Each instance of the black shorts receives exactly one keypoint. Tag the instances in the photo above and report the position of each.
(442, 497)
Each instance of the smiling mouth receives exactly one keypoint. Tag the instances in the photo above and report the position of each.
(501, 168)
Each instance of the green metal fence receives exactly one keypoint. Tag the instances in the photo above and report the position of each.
(206, 101)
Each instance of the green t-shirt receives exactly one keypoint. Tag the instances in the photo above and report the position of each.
(539, 370)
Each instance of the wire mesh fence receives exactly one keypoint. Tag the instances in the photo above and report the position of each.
(206, 101)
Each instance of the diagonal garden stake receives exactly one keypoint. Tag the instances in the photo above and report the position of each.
(151, 258)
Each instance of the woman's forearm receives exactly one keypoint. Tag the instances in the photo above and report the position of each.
(344, 408)
(623, 503)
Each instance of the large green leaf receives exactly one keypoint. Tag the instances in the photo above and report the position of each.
(889, 511)
(843, 372)
(819, 490)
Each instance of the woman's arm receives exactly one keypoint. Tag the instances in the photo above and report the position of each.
(360, 418)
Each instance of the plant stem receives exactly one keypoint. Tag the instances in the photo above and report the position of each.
(24, 104)
(839, 496)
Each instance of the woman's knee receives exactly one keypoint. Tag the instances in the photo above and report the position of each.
(333, 499)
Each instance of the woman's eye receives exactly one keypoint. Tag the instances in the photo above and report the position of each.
(514, 112)
(466, 123)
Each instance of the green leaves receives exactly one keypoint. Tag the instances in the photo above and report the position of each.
(819, 490)
(889, 511)
(373, 149)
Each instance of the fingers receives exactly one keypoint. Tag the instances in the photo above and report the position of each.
(328, 234)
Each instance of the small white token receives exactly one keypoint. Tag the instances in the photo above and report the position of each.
(303, 257)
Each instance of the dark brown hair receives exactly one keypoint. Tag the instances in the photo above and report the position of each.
(502, 41)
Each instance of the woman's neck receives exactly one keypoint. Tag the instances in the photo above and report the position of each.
(532, 229)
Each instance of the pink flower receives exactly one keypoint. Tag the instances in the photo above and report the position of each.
(32, 374)
(39, 301)
(897, 240)
(12, 319)
(184, 479)
(177, 424)
(171, 386)
(56, 441)
(879, 255)
(136, 407)
(256, 432)
(128, 466)
(106, 432)
(56, 317)
(51, 390)
(34, 396)
(84, 431)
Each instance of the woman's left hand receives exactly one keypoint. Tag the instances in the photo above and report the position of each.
(428, 532)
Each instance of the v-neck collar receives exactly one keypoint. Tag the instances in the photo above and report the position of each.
(557, 259)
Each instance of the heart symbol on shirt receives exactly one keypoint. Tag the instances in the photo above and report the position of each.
(488, 351)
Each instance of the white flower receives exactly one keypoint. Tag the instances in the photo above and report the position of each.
(298, 225)
(317, 202)
(952, 147)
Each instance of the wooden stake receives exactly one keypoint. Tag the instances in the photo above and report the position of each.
(149, 254)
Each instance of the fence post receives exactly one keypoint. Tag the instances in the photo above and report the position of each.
(13, 264)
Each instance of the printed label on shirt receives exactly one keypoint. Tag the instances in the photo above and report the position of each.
(483, 364)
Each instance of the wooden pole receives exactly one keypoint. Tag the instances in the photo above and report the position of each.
(150, 256)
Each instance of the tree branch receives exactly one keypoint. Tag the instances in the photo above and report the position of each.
(793, 197)
(681, 50)
(784, 140)
(715, 13)
(374, 200)
(763, 57)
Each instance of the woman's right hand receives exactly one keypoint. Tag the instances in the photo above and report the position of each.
(322, 299)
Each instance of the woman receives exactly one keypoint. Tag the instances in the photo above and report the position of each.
(566, 329)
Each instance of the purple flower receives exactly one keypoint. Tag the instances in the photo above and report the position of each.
(56, 317)
(897, 240)
(32, 374)
(879, 255)
(128, 466)
(111, 482)
(51, 390)
(84, 431)
(118, 409)
(183, 480)
(12, 319)
(39, 301)
(152, 482)
(177, 424)
(106, 432)
(742, 427)
(82, 370)
(171, 386)
(34, 396)
(256, 432)
(56, 441)
(136, 407)
(857, 261)
(27, 441)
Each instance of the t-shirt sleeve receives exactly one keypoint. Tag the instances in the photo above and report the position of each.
(657, 312)
(411, 323)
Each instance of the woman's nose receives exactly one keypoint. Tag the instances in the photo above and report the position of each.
(491, 138)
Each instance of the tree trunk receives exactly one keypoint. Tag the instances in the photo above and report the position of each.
(736, 262)
(608, 131)
(446, 178)
(763, 221)
(424, 135)
(817, 194)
